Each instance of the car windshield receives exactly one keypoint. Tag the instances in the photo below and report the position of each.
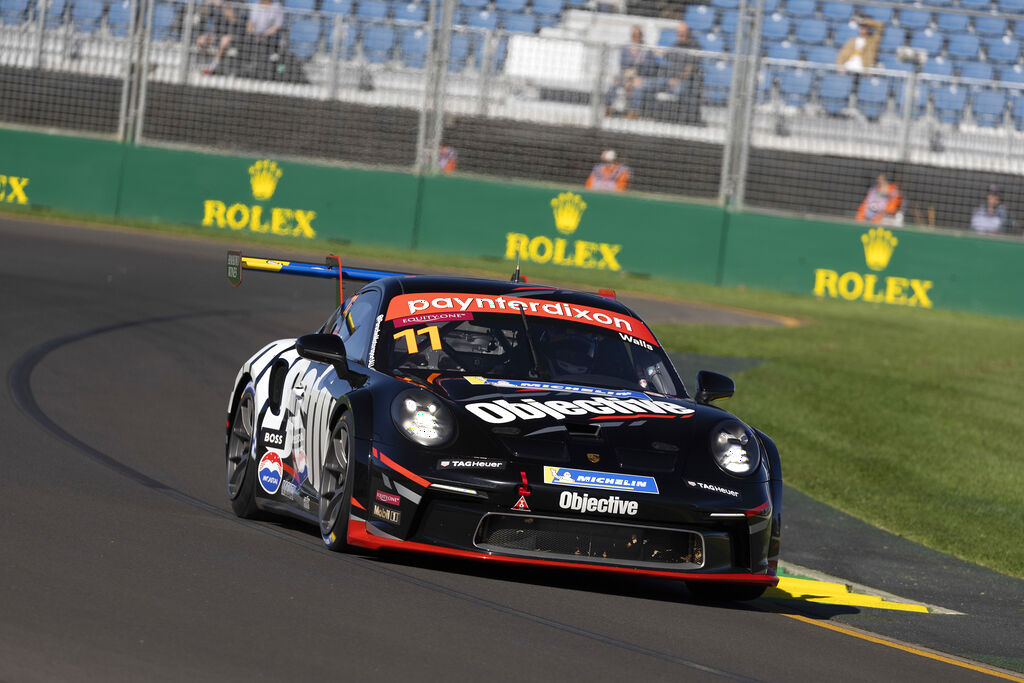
(510, 346)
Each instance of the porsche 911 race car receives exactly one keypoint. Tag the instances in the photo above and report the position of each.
(507, 422)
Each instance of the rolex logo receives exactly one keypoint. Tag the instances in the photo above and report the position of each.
(568, 209)
(263, 176)
(879, 244)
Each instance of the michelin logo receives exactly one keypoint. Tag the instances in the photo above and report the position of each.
(561, 388)
(588, 479)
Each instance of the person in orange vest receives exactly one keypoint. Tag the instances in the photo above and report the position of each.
(447, 159)
(882, 203)
(609, 175)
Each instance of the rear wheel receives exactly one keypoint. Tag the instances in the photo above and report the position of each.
(724, 592)
(241, 470)
(336, 486)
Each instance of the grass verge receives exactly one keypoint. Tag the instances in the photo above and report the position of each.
(910, 420)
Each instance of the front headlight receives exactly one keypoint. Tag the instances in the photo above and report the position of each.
(422, 418)
(735, 447)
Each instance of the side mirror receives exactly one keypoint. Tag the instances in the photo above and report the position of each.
(712, 386)
(324, 348)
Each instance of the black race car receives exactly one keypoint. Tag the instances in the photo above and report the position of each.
(502, 421)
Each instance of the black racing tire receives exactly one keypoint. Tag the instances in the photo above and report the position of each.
(336, 484)
(707, 591)
(241, 468)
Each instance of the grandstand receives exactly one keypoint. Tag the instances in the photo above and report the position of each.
(782, 126)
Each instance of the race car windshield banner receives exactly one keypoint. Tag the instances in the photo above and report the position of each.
(407, 305)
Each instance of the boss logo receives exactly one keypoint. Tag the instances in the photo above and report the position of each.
(273, 438)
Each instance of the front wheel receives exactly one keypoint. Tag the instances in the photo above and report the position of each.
(336, 486)
(241, 469)
(724, 592)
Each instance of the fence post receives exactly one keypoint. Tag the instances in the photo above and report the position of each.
(186, 41)
(597, 93)
(745, 130)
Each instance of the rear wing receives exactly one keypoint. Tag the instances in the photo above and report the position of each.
(331, 270)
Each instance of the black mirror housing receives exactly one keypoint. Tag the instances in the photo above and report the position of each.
(712, 386)
(324, 348)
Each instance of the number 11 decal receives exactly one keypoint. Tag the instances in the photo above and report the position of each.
(410, 338)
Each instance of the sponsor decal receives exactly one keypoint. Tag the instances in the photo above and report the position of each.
(713, 488)
(389, 498)
(12, 189)
(373, 340)
(269, 472)
(502, 411)
(389, 515)
(588, 479)
(567, 209)
(406, 305)
(879, 245)
(553, 386)
(633, 340)
(431, 318)
(289, 490)
(612, 505)
(521, 504)
(594, 457)
(263, 178)
(453, 464)
(273, 438)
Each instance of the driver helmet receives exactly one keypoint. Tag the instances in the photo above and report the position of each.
(572, 354)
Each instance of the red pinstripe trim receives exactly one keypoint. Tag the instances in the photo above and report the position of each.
(401, 470)
(633, 417)
(357, 504)
(288, 469)
(358, 536)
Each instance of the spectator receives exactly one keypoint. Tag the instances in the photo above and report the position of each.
(680, 82)
(263, 37)
(638, 68)
(224, 25)
(861, 51)
(882, 203)
(992, 216)
(447, 159)
(609, 175)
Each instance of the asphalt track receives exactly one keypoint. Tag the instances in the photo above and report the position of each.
(121, 560)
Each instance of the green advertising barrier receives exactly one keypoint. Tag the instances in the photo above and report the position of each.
(571, 228)
(77, 174)
(867, 263)
(267, 196)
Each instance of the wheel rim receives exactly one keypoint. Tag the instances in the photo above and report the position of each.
(239, 449)
(332, 481)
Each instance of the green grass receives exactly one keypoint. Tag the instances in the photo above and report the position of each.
(911, 420)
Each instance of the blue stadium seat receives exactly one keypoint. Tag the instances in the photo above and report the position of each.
(336, 7)
(938, 66)
(843, 32)
(837, 12)
(801, 8)
(1004, 50)
(303, 5)
(950, 101)
(482, 19)
(795, 86)
(371, 10)
(119, 18)
(717, 79)
(473, 4)
(86, 14)
(700, 18)
(883, 14)
(976, 5)
(939, 3)
(990, 25)
(728, 22)
(951, 23)
(822, 54)
(892, 38)
(920, 104)
(411, 12)
(520, 23)
(771, 6)
(811, 31)
(412, 47)
(725, 4)
(302, 38)
(928, 40)
(914, 19)
(458, 52)
(497, 62)
(1011, 6)
(988, 107)
(13, 11)
(1017, 112)
(963, 46)
(775, 27)
(378, 43)
(347, 49)
(872, 96)
(981, 71)
(548, 11)
(56, 12)
(164, 14)
(510, 6)
(1018, 28)
(834, 92)
(711, 42)
(784, 50)
(1012, 74)
(894, 64)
